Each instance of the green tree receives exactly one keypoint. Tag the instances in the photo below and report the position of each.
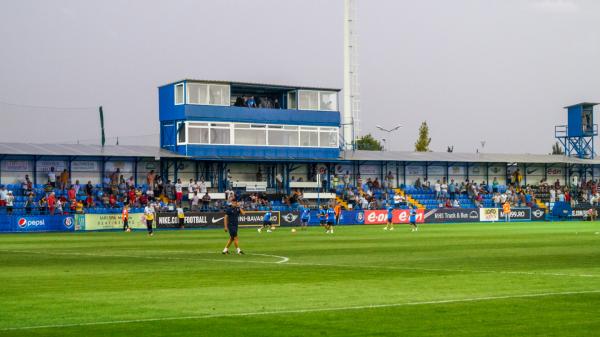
(369, 143)
(422, 144)
(557, 149)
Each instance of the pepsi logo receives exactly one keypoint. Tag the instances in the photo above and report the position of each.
(22, 222)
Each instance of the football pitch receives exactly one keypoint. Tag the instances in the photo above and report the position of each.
(518, 279)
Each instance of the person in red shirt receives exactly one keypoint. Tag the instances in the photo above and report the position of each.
(112, 200)
(131, 196)
(89, 201)
(71, 194)
(51, 203)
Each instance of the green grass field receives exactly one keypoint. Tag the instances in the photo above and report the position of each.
(520, 279)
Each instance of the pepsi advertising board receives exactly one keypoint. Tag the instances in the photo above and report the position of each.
(56, 223)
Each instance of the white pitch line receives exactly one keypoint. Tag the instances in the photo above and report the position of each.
(300, 311)
(285, 260)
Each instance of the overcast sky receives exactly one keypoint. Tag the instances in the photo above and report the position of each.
(498, 71)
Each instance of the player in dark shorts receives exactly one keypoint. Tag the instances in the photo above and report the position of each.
(323, 216)
(231, 226)
(330, 220)
(413, 219)
(266, 222)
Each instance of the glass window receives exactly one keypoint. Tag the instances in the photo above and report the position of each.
(220, 125)
(308, 100)
(179, 93)
(309, 138)
(328, 101)
(328, 139)
(283, 138)
(181, 133)
(292, 100)
(251, 137)
(220, 136)
(198, 135)
(197, 93)
(219, 94)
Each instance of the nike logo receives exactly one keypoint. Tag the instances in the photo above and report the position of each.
(217, 219)
(531, 171)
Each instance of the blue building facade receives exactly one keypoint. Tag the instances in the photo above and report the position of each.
(212, 119)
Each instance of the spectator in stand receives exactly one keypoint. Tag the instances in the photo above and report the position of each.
(48, 187)
(3, 195)
(29, 203)
(478, 200)
(335, 181)
(418, 184)
(397, 200)
(279, 181)
(79, 207)
(455, 204)
(72, 194)
(448, 203)
(376, 184)
(105, 200)
(437, 187)
(10, 202)
(52, 177)
(27, 185)
(112, 200)
(51, 203)
(89, 188)
(59, 207)
(496, 200)
(194, 201)
(250, 102)
(452, 189)
(389, 180)
(114, 177)
(150, 179)
(444, 189)
(64, 179)
(202, 187)
(43, 204)
(89, 201)
(205, 202)
(106, 183)
(130, 182)
(191, 190)
(77, 187)
(178, 192)
(495, 185)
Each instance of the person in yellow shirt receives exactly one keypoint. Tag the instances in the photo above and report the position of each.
(506, 211)
(79, 207)
(181, 216)
(149, 215)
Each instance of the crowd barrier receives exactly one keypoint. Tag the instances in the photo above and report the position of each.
(91, 222)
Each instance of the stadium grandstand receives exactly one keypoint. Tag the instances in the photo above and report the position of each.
(277, 147)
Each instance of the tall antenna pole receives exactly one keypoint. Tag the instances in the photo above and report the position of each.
(351, 97)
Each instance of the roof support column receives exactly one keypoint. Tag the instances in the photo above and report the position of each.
(404, 174)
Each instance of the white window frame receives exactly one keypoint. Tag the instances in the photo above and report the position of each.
(187, 96)
(319, 93)
(175, 93)
(185, 127)
(231, 126)
(226, 100)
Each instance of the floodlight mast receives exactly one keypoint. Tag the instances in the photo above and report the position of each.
(351, 96)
